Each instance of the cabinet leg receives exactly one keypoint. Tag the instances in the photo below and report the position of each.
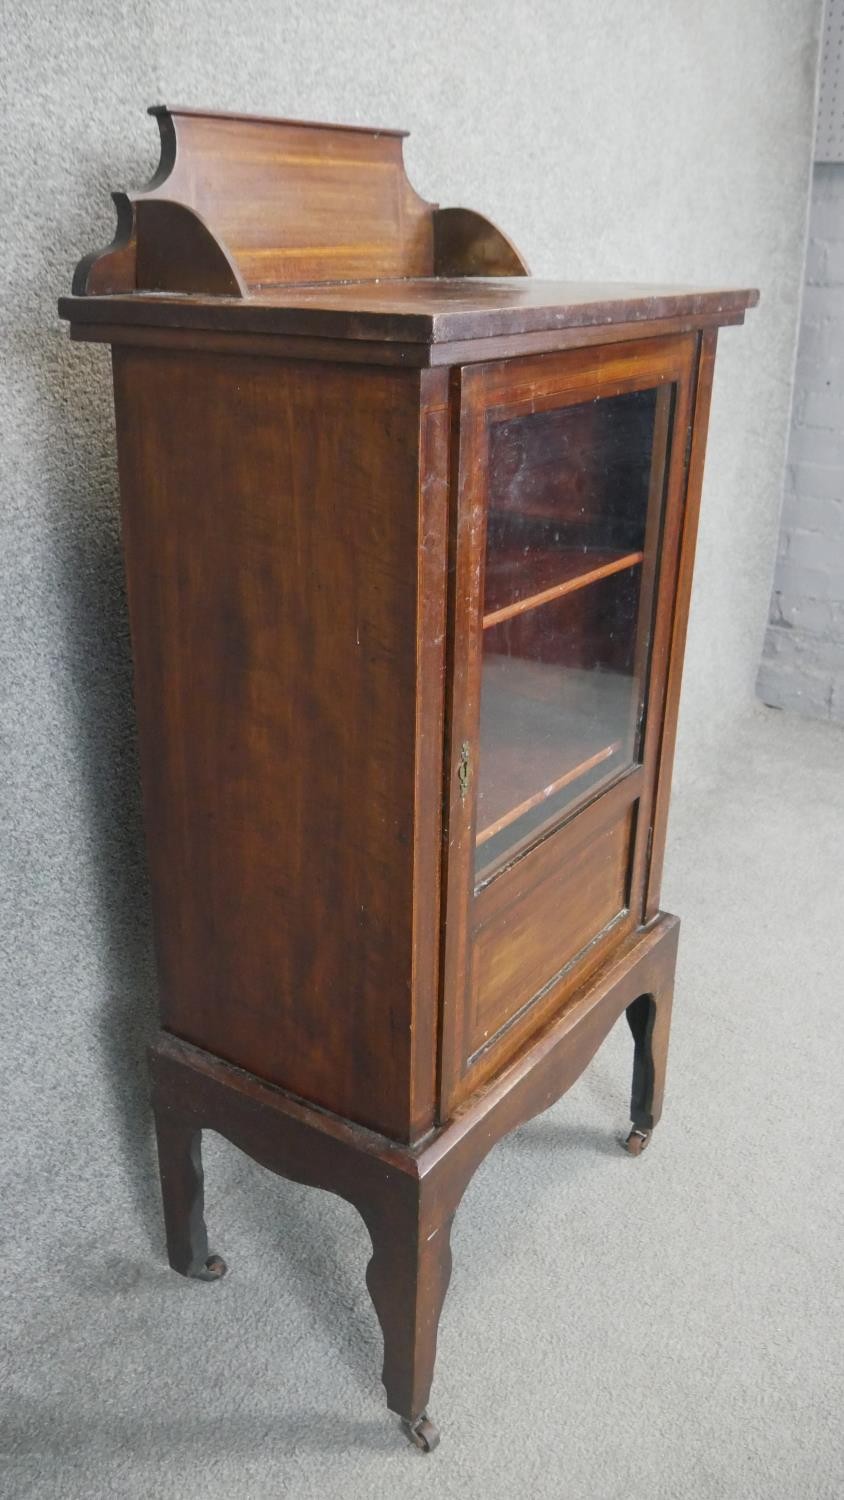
(649, 1019)
(408, 1277)
(180, 1164)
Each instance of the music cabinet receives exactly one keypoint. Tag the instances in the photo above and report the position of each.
(408, 540)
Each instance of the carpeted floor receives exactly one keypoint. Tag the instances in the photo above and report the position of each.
(664, 1329)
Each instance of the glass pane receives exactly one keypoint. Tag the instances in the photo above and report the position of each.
(563, 660)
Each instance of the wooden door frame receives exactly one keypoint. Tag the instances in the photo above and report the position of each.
(482, 394)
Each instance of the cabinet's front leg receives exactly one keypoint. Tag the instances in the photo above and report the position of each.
(649, 1019)
(180, 1163)
(408, 1277)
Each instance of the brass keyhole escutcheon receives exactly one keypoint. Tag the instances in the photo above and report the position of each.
(463, 770)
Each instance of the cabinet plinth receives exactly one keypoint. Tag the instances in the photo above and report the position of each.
(408, 540)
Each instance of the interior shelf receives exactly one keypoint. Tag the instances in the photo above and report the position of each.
(542, 729)
(518, 579)
(571, 774)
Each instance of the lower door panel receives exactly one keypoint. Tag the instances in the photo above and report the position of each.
(533, 923)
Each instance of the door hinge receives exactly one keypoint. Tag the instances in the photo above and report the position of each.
(689, 435)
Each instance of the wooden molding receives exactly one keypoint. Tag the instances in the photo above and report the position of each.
(242, 202)
(176, 250)
(467, 244)
(239, 203)
(112, 269)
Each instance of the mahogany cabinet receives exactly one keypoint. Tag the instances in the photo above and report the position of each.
(408, 540)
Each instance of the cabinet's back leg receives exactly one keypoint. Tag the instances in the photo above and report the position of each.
(180, 1163)
(649, 1019)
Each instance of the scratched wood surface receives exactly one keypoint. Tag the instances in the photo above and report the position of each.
(284, 532)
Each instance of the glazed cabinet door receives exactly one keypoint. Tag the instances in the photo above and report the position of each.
(569, 495)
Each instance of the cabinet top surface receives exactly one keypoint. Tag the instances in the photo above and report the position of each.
(254, 225)
(426, 310)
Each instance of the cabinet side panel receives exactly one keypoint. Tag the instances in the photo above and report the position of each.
(270, 521)
(676, 645)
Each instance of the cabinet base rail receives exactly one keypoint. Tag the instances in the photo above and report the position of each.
(406, 1195)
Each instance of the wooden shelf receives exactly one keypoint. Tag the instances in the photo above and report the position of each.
(542, 729)
(529, 803)
(517, 581)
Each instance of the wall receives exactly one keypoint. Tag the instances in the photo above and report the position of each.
(803, 659)
(662, 141)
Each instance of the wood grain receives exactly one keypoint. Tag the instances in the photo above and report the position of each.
(267, 197)
(180, 333)
(321, 382)
(497, 393)
(562, 903)
(676, 624)
(407, 1196)
(419, 310)
(575, 770)
(534, 575)
(467, 244)
(286, 588)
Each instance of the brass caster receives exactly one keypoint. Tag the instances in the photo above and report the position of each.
(637, 1141)
(214, 1269)
(422, 1433)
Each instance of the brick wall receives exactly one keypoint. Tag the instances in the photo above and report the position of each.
(803, 658)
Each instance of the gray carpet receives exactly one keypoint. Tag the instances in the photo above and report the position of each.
(616, 1329)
